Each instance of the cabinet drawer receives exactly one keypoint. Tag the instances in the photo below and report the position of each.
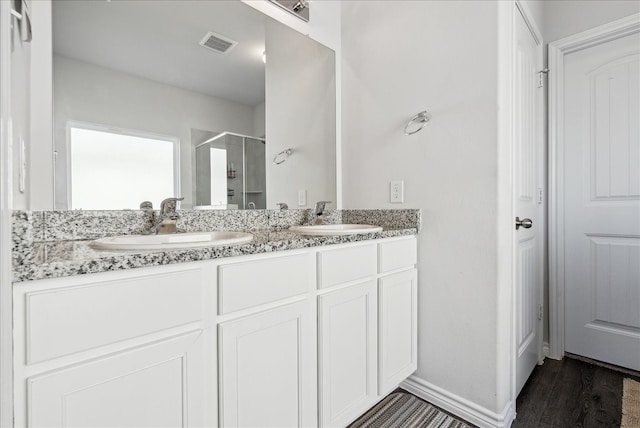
(397, 255)
(91, 314)
(248, 284)
(346, 264)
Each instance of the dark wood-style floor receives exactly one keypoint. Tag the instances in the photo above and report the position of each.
(570, 393)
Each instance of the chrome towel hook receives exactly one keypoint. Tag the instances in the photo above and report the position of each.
(282, 156)
(417, 122)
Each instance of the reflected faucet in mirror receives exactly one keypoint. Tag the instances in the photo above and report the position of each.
(319, 211)
(168, 217)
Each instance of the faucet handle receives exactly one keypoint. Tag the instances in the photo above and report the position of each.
(169, 205)
(146, 205)
(282, 206)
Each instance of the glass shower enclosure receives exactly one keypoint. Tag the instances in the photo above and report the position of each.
(231, 172)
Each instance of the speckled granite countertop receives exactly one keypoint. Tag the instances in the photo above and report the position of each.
(68, 258)
(70, 253)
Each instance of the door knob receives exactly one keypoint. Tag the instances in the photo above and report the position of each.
(525, 222)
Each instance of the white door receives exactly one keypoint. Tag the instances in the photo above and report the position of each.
(347, 351)
(601, 195)
(528, 205)
(267, 369)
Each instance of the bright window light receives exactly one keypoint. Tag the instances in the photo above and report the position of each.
(218, 176)
(116, 170)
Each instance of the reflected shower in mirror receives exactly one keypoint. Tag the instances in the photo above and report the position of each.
(230, 172)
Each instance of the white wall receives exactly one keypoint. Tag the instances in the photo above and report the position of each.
(400, 58)
(259, 118)
(88, 93)
(563, 18)
(301, 115)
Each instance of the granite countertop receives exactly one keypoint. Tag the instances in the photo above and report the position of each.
(61, 258)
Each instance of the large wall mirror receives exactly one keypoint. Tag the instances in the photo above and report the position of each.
(192, 99)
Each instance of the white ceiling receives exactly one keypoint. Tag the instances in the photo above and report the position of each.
(159, 40)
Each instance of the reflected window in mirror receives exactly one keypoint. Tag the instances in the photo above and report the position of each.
(115, 169)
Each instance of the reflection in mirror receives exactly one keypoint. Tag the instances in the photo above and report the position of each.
(103, 162)
(147, 69)
(299, 8)
(230, 172)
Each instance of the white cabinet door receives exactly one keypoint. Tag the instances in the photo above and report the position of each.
(397, 329)
(347, 349)
(268, 369)
(159, 385)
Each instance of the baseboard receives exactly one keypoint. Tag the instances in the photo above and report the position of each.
(458, 406)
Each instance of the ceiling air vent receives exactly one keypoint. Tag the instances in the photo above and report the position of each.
(217, 42)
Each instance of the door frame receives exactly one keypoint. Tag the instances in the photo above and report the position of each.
(557, 51)
(6, 203)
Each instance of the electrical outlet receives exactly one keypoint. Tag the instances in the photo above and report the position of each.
(396, 192)
(302, 198)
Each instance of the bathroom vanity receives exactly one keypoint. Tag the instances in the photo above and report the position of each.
(311, 336)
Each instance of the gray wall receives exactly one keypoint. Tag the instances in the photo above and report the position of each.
(400, 58)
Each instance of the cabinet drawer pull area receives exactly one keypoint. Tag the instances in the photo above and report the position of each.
(249, 284)
(398, 254)
(63, 321)
(345, 265)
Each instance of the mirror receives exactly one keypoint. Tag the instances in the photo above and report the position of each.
(192, 99)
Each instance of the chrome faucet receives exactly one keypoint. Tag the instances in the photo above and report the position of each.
(320, 205)
(168, 217)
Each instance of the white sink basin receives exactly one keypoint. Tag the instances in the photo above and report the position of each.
(335, 229)
(171, 241)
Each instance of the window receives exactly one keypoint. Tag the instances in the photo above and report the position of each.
(113, 169)
(218, 176)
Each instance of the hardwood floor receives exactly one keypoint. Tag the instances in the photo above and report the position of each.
(570, 393)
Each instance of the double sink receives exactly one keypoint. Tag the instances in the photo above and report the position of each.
(210, 239)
